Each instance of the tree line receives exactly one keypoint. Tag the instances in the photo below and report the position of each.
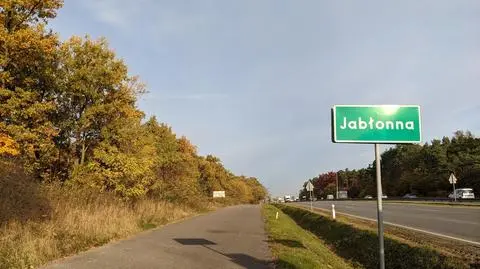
(417, 169)
(68, 114)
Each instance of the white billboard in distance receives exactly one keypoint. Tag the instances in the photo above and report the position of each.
(218, 194)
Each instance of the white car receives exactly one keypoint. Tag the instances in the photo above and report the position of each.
(463, 193)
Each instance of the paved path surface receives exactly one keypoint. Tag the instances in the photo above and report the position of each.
(458, 222)
(232, 237)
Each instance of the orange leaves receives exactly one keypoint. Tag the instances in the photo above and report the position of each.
(185, 146)
(8, 146)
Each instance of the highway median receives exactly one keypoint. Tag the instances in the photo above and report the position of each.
(358, 243)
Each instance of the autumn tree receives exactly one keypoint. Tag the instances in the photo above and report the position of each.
(28, 65)
(68, 109)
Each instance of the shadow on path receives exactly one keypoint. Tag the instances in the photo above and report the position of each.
(241, 259)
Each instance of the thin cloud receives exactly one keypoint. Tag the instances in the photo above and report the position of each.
(157, 20)
(196, 97)
(120, 14)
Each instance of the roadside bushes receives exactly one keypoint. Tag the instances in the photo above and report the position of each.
(40, 222)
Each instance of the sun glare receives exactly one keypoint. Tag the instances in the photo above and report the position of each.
(390, 109)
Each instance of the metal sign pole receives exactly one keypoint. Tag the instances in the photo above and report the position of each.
(454, 194)
(336, 180)
(379, 207)
(311, 205)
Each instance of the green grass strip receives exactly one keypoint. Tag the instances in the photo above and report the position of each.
(361, 246)
(296, 248)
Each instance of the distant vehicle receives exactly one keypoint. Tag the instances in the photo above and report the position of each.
(297, 199)
(409, 196)
(280, 200)
(463, 193)
(330, 197)
(288, 198)
(384, 196)
(368, 197)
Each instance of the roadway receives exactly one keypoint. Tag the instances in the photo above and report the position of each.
(232, 237)
(452, 221)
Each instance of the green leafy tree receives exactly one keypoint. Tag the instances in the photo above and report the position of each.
(418, 169)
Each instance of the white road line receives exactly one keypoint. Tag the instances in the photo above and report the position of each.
(415, 229)
(408, 227)
(427, 210)
(413, 204)
(458, 221)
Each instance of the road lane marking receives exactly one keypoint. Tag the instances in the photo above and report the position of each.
(456, 206)
(409, 228)
(427, 210)
(459, 221)
(416, 229)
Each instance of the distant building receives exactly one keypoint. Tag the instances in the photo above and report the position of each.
(342, 195)
(218, 194)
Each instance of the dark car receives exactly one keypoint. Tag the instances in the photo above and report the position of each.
(409, 196)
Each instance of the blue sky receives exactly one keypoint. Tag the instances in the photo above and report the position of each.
(252, 82)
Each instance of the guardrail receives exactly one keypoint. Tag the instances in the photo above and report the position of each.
(434, 199)
(419, 199)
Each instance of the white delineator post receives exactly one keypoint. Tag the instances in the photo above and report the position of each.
(379, 207)
(276, 216)
(333, 211)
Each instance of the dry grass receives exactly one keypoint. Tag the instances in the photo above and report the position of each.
(40, 223)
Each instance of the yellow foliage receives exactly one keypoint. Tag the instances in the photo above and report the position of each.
(8, 146)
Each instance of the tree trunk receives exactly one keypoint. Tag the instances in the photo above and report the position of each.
(84, 149)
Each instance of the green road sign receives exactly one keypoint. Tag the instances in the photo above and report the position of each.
(387, 124)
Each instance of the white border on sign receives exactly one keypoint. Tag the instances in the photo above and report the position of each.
(335, 140)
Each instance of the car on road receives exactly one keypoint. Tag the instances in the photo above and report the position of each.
(384, 196)
(330, 197)
(368, 197)
(409, 196)
(462, 193)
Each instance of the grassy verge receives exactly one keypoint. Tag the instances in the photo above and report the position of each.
(464, 251)
(294, 247)
(360, 246)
